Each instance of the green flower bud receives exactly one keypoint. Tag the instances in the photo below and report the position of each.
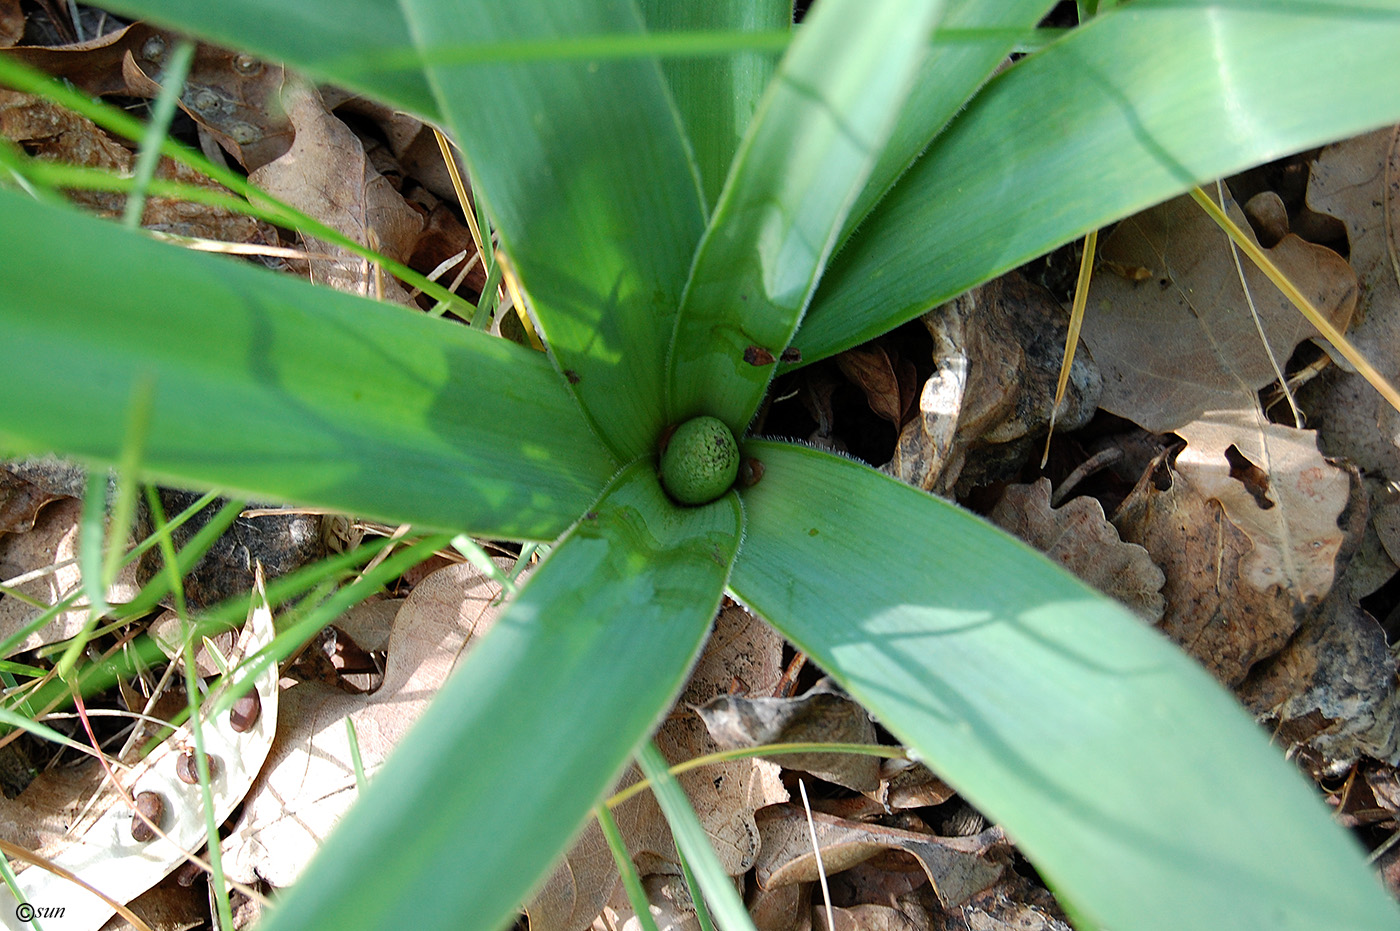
(700, 461)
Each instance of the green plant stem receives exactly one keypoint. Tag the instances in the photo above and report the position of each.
(631, 882)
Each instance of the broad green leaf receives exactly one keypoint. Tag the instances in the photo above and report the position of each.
(526, 736)
(1143, 794)
(955, 68)
(336, 40)
(1133, 108)
(587, 175)
(809, 150)
(717, 94)
(265, 385)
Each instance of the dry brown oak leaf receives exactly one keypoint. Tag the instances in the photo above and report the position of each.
(1079, 537)
(1169, 323)
(1245, 527)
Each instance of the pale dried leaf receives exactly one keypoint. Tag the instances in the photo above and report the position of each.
(1079, 537)
(1225, 623)
(1276, 487)
(1183, 342)
(101, 848)
(957, 867)
(309, 782)
(53, 541)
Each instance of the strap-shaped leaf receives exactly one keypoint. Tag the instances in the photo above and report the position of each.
(342, 41)
(717, 94)
(1132, 108)
(527, 735)
(596, 199)
(808, 152)
(1143, 794)
(956, 66)
(262, 384)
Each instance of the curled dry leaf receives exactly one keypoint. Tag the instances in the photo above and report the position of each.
(309, 782)
(957, 867)
(1079, 537)
(1330, 696)
(326, 174)
(93, 66)
(997, 354)
(101, 847)
(888, 382)
(1182, 341)
(822, 715)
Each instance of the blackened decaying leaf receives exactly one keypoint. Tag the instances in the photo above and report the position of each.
(823, 715)
(277, 542)
(1330, 696)
(956, 867)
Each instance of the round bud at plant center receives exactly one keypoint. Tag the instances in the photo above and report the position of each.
(700, 461)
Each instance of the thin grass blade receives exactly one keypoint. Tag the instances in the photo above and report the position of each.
(265, 385)
(542, 716)
(1138, 105)
(1136, 785)
(809, 150)
(584, 169)
(693, 843)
